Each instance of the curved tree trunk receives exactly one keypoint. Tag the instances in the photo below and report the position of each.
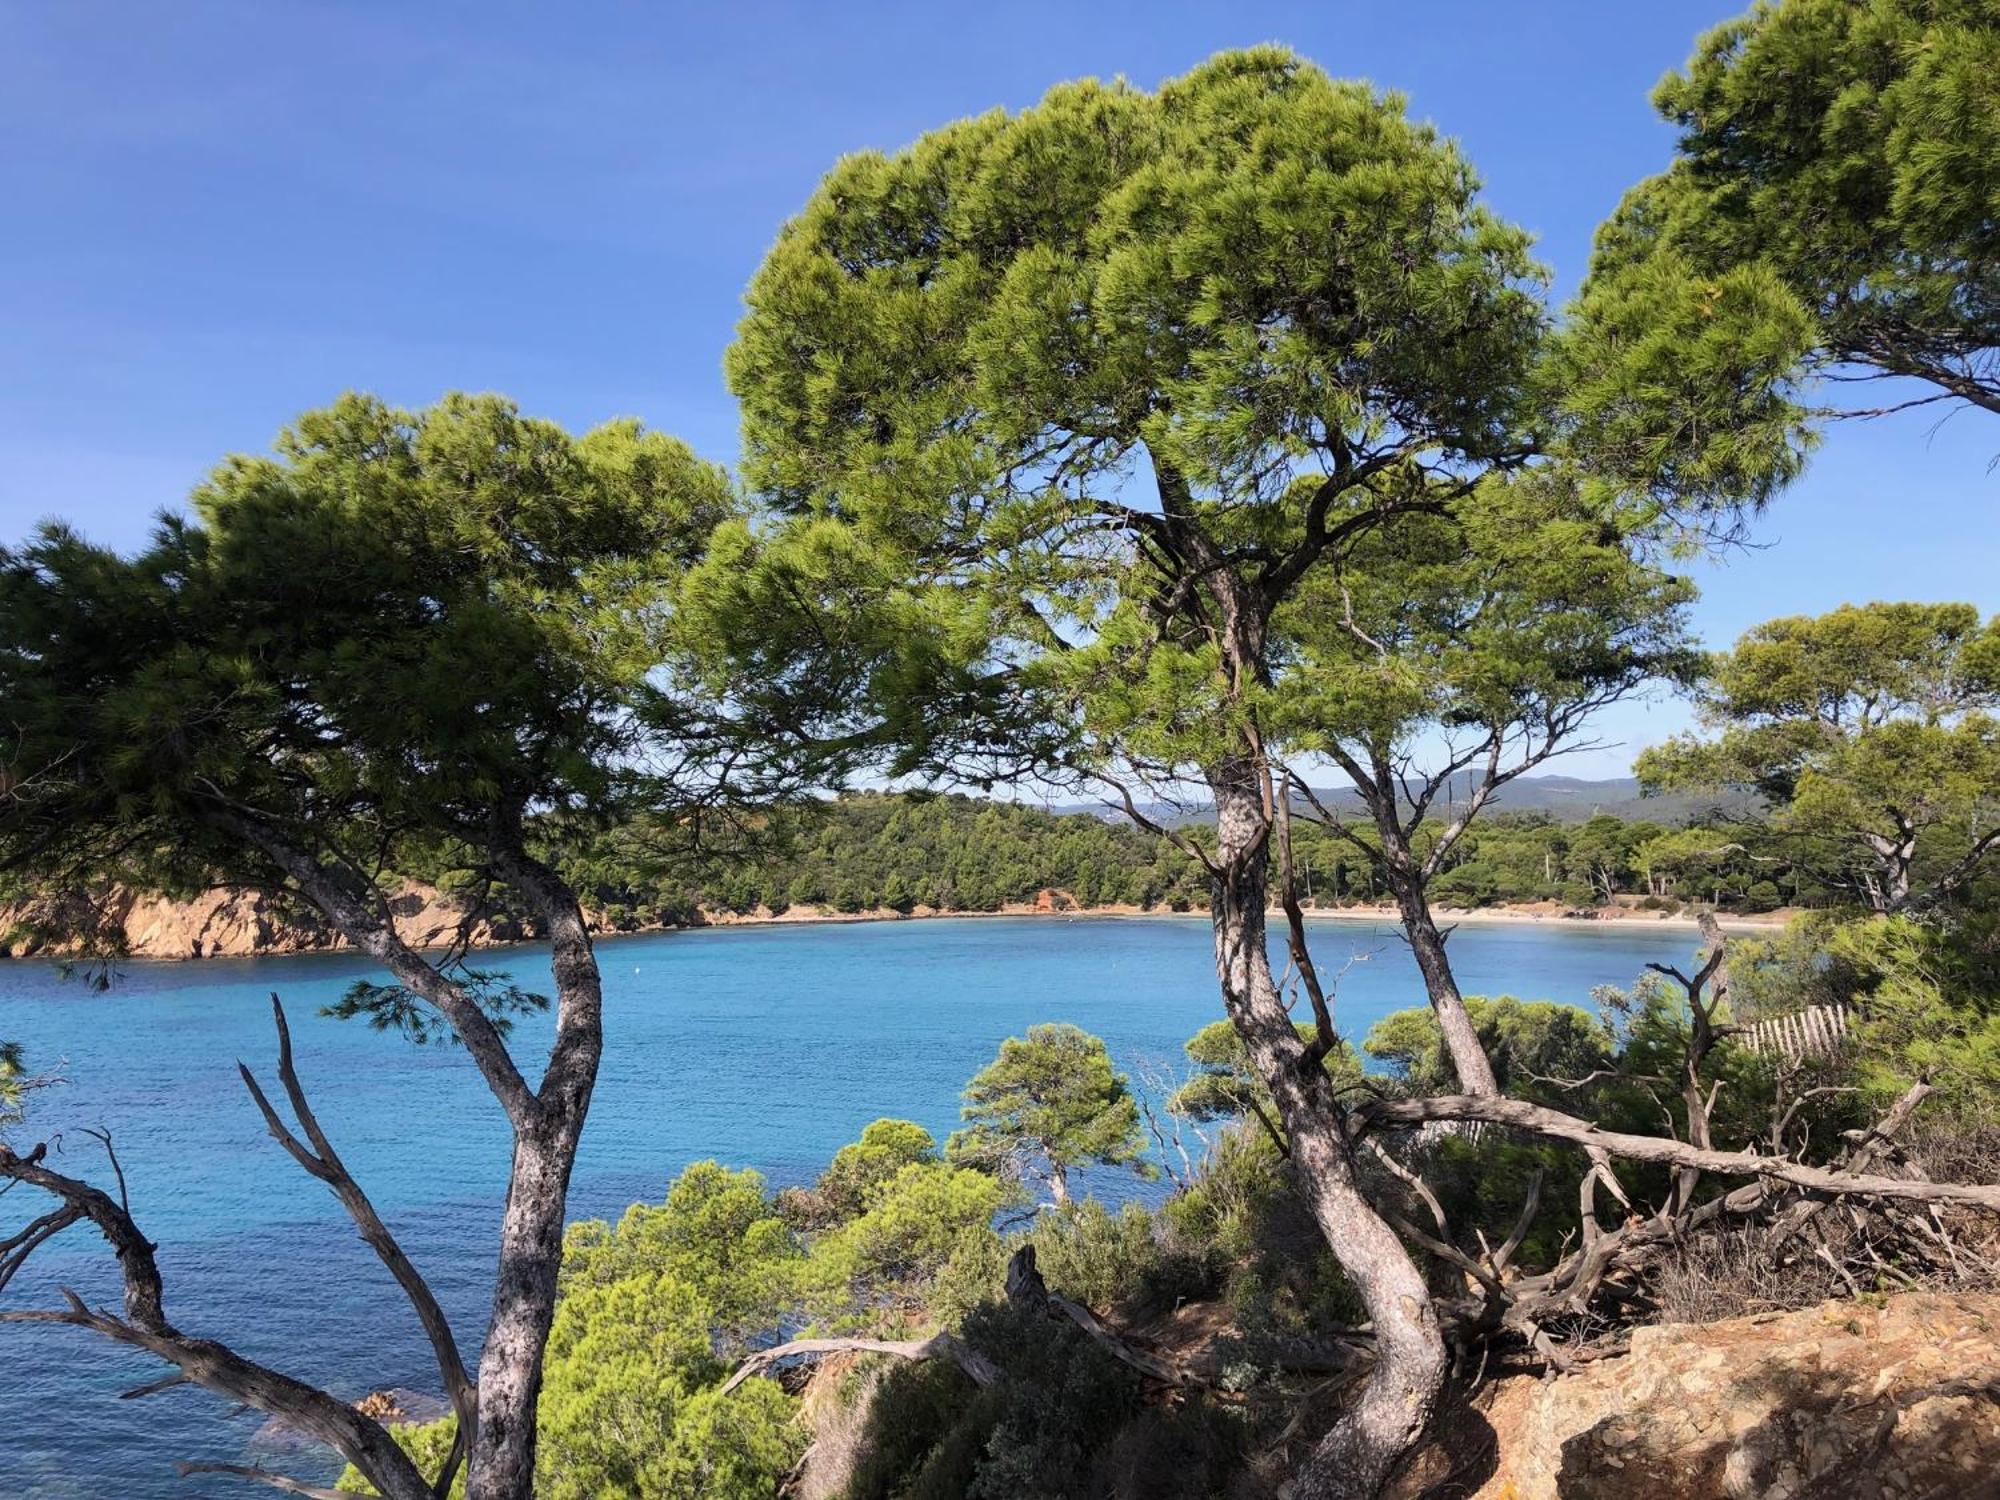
(1357, 1455)
(502, 1459)
(1461, 1040)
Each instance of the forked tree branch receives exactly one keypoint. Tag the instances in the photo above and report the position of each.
(323, 1162)
(362, 1441)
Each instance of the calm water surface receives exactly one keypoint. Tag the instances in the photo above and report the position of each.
(766, 1047)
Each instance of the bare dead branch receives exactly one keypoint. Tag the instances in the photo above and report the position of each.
(362, 1441)
(263, 1475)
(1553, 1125)
(324, 1163)
(977, 1366)
(1027, 1290)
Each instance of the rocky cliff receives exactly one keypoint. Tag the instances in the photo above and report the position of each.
(1889, 1400)
(234, 923)
(242, 924)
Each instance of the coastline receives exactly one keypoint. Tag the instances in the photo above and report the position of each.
(240, 924)
(1524, 915)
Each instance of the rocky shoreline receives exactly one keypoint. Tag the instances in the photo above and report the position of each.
(246, 924)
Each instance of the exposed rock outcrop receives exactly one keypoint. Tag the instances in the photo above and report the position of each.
(235, 923)
(397, 1406)
(1845, 1401)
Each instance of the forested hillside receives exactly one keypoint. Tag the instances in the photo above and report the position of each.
(1567, 799)
(870, 851)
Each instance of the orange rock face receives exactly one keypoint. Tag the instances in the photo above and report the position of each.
(1845, 1401)
(234, 923)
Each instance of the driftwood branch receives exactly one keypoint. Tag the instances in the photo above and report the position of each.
(1025, 1289)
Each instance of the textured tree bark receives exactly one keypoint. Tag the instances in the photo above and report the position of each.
(502, 1463)
(547, 1121)
(1356, 1456)
(502, 1460)
(1461, 1039)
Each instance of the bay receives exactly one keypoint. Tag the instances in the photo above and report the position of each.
(765, 1047)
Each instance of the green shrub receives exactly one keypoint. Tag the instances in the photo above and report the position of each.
(1060, 1400)
(1097, 1257)
(1184, 1452)
(737, 1446)
(974, 1274)
(716, 1232)
(862, 1168)
(630, 1406)
(1033, 1435)
(623, 1358)
(1243, 1227)
(427, 1443)
(923, 1219)
(1526, 1039)
(1221, 1213)
(917, 1425)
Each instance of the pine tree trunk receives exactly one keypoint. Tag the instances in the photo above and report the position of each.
(501, 1464)
(1358, 1453)
(1461, 1039)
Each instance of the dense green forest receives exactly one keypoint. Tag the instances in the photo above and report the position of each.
(883, 851)
(875, 851)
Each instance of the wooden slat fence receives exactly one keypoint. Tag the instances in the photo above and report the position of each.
(1816, 1031)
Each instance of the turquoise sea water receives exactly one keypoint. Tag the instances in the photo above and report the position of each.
(766, 1047)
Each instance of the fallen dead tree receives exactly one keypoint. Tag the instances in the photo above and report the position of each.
(1553, 1125)
(1026, 1290)
(977, 1367)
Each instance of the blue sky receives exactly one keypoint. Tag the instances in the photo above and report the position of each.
(217, 215)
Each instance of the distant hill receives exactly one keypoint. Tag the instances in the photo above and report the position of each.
(1567, 799)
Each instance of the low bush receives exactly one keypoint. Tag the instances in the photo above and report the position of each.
(1130, 1258)
(1190, 1451)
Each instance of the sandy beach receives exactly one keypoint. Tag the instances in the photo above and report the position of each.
(1541, 914)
